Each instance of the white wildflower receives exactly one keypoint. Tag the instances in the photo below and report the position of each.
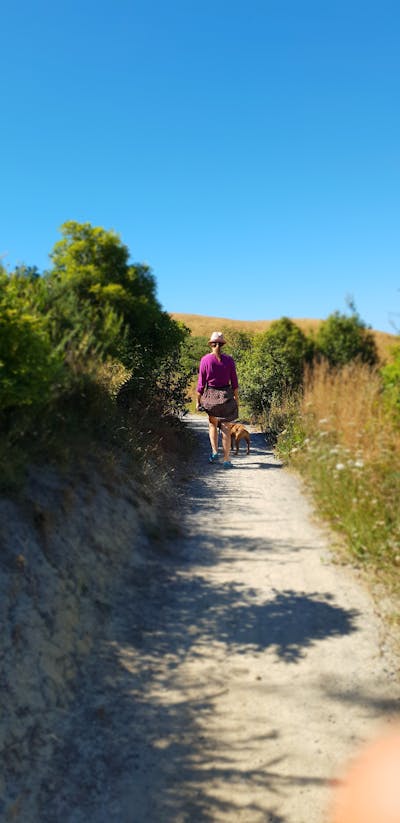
(339, 467)
(359, 464)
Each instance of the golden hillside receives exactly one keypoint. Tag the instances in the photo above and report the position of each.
(201, 325)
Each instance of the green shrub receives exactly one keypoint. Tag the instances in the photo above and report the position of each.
(194, 347)
(285, 425)
(239, 343)
(341, 338)
(29, 366)
(273, 367)
(391, 382)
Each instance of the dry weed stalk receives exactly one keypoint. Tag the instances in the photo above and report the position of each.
(111, 375)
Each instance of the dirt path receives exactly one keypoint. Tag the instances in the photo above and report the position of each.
(237, 675)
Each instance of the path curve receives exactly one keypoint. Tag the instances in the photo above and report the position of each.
(239, 672)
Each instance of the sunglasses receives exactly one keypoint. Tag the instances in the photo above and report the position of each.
(215, 344)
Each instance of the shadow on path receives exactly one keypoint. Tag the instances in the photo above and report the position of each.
(289, 622)
(136, 752)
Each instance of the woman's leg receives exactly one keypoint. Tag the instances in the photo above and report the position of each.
(226, 440)
(213, 434)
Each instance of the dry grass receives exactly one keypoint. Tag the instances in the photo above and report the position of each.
(201, 325)
(348, 405)
(385, 343)
(345, 442)
(111, 375)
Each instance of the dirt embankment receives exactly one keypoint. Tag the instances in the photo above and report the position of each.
(67, 542)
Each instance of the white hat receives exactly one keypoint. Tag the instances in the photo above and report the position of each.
(217, 337)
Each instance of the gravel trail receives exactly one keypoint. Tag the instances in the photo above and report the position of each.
(239, 671)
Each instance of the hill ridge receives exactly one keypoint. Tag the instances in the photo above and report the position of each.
(202, 325)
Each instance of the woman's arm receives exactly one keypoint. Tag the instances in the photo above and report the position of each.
(201, 383)
(234, 381)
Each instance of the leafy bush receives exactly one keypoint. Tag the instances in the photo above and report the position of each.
(239, 343)
(341, 338)
(391, 382)
(195, 346)
(273, 367)
(284, 423)
(28, 365)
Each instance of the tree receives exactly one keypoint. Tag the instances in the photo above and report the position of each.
(99, 299)
(92, 305)
(342, 338)
(94, 264)
(91, 264)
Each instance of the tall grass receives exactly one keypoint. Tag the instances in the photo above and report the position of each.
(345, 441)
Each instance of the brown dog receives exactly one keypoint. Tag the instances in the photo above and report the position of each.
(238, 433)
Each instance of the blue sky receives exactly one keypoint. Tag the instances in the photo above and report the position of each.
(249, 152)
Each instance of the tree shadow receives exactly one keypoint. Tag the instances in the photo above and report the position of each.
(136, 746)
(371, 702)
(287, 623)
(256, 466)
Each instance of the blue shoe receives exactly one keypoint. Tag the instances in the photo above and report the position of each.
(227, 464)
(213, 457)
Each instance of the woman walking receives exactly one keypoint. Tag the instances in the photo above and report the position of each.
(218, 394)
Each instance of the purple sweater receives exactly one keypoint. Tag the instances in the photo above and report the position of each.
(215, 373)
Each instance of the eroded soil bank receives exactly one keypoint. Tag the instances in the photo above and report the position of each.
(68, 540)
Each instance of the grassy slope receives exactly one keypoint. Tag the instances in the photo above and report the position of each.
(203, 325)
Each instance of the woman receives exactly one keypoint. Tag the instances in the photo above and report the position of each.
(217, 393)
